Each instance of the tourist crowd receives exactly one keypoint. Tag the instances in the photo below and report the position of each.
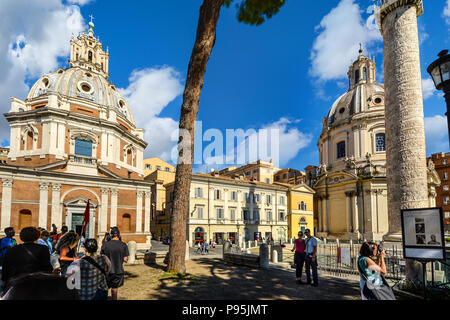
(52, 265)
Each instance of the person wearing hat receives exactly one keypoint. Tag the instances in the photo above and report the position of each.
(117, 253)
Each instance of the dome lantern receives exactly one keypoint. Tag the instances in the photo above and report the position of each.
(361, 71)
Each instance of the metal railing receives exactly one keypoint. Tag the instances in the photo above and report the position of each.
(331, 261)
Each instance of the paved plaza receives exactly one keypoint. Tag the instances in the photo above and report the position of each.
(212, 279)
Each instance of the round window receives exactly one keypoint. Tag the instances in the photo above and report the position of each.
(121, 103)
(86, 87)
(45, 82)
(341, 110)
(377, 100)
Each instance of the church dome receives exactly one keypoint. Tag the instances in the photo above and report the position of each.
(354, 102)
(364, 93)
(79, 83)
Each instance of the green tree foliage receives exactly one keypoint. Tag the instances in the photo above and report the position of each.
(255, 12)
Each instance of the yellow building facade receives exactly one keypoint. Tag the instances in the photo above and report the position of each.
(223, 208)
(156, 164)
(301, 210)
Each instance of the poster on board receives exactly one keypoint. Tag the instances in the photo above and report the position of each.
(423, 234)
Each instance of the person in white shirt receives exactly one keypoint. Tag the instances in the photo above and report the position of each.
(311, 259)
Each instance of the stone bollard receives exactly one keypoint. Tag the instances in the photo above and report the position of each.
(132, 247)
(263, 256)
(291, 241)
(275, 256)
(249, 251)
(226, 247)
(249, 244)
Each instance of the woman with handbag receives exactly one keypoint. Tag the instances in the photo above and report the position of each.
(373, 285)
(66, 248)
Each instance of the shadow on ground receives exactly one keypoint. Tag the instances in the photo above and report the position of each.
(215, 280)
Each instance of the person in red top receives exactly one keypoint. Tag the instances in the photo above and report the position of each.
(299, 257)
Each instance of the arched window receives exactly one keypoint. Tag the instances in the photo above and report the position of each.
(83, 148)
(129, 157)
(25, 219)
(380, 140)
(357, 77)
(90, 56)
(341, 150)
(30, 140)
(126, 223)
(365, 74)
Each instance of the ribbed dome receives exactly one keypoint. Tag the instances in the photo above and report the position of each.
(355, 101)
(79, 83)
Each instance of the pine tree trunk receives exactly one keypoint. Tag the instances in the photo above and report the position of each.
(204, 43)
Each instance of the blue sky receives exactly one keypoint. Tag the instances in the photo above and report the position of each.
(257, 77)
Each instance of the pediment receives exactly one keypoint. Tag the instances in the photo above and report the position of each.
(303, 188)
(335, 178)
(79, 202)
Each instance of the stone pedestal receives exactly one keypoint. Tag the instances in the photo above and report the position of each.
(263, 256)
(132, 247)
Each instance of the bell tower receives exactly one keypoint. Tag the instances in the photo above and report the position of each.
(87, 52)
(361, 71)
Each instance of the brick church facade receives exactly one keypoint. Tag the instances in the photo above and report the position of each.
(72, 140)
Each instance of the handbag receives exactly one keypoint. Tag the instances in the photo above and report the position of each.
(378, 292)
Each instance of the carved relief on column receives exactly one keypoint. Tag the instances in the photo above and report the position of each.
(6, 203)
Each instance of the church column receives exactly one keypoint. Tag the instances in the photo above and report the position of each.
(43, 204)
(355, 213)
(148, 195)
(320, 222)
(139, 195)
(349, 206)
(326, 216)
(56, 217)
(103, 219)
(113, 218)
(6, 203)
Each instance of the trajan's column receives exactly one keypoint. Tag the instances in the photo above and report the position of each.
(406, 169)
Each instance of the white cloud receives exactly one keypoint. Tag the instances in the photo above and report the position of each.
(279, 141)
(35, 34)
(447, 12)
(149, 92)
(428, 88)
(337, 44)
(436, 134)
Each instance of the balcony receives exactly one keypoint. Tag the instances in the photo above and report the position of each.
(82, 165)
(86, 161)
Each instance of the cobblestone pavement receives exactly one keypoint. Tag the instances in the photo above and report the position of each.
(215, 280)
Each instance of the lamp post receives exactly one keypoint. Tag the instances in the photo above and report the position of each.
(440, 72)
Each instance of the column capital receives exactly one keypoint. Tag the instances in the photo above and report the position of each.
(44, 186)
(148, 194)
(105, 191)
(7, 182)
(56, 186)
(140, 194)
(114, 191)
(350, 193)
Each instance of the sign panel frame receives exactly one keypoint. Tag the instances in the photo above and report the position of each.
(423, 234)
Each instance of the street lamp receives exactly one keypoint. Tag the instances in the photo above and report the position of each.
(440, 72)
